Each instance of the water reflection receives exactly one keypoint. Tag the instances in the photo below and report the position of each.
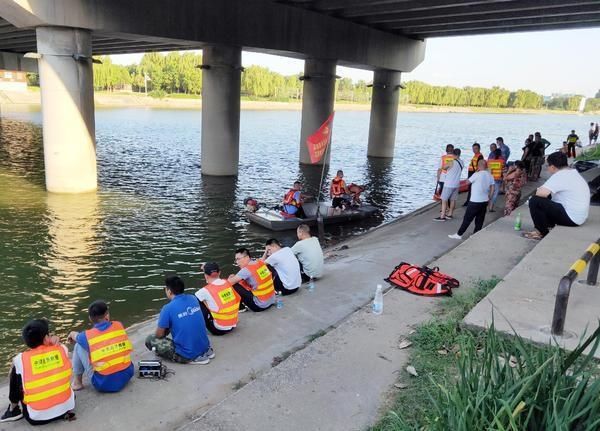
(378, 172)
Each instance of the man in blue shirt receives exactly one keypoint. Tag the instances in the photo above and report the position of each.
(182, 319)
(101, 353)
(503, 147)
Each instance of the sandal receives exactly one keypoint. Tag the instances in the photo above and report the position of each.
(535, 235)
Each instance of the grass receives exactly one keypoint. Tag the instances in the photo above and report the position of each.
(591, 155)
(482, 381)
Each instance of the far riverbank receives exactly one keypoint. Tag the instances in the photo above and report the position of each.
(31, 98)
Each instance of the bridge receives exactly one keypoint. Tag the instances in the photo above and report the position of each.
(385, 36)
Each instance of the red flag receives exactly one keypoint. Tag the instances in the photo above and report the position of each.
(318, 141)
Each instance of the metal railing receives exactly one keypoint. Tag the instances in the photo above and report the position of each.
(591, 256)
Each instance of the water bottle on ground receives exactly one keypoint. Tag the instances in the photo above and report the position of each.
(518, 222)
(378, 301)
(311, 284)
(154, 355)
(278, 302)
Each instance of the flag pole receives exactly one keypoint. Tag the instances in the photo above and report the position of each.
(320, 224)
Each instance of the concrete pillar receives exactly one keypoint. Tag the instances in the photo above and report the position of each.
(317, 101)
(384, 113)
(66, 83)
(221, 81)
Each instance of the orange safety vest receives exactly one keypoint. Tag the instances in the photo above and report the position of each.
(447, 160)
(288, 199)
(46, 377)
(496, 166)
(265, 289)
(474, 160)
(337, 187)
(110, 350)
(228, 303)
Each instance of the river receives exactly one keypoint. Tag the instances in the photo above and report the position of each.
(154, 214)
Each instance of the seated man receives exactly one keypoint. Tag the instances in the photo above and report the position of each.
(220, 304)
(309, 254)
(563, 200)
(103, 353)
(339, 191)
(40, 379)
(182, 318)
(253, 282)
(286, 269)
(293, 199)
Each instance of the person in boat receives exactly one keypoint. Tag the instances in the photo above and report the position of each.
(40, 379)
(355, 192)
(339, 191)
(102, 353)
(251, 204)
(293, 199)
(253, 282)
(445, 163)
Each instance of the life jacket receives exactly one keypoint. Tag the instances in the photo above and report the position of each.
(110, 350)
(46, 377)
(228, 303)
(474, 160)
(571, 139)
(463, 186)
(259, 271)
(288, 199)
(337, 187)
(422, 280)
(496, 166)
(447, 160)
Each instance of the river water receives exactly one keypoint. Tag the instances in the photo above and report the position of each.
(154, 214)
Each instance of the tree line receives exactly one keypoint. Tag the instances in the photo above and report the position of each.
(180, 73)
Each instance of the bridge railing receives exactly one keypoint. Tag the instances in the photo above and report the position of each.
(591, 257)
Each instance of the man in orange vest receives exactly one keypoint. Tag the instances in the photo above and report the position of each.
(253, 282)
(219, 302)
(293, 200)
(40, 379)
(477, 156)
(445, 162)
(338, 190)
(102, 353)
(496, 164)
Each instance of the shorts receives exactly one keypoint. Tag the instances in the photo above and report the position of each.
(338, 202)
(449, 193)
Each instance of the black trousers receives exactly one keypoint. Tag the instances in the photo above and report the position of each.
(469, 175)
(475, 210)
(546, 214)
(248, 298)
(278, 284)
(571, 149)
(210, 322)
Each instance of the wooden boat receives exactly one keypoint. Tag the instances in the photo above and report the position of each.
(274, 220)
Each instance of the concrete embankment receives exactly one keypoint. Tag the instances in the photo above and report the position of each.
(345, 373)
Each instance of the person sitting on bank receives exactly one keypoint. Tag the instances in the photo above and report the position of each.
(182, 319)
(309, 254)
(285, 267)
(253, 282)
(102, 353)
(339, 191)
(40, 379)
(219, 302)
(564, 199)
(293, 200)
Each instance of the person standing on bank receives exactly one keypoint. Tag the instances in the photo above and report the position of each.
(40, 379)
(182, 319)
(309, 254)
(253, 282)
(286, 269)
(451, 186)
(482, 189)
(564, 199)
(102, 353)
(445, 163)
(219, 302)
(477, 156)
(571, 141)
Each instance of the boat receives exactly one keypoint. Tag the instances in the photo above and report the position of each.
(274, 219)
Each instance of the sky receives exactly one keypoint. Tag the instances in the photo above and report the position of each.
(547, 62)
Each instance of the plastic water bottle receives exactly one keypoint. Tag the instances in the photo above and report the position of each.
(279, 302)
(311, 285)
(154, 352)
(518, 222)
(378, 301)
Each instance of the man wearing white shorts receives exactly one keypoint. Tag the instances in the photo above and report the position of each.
(451, 186)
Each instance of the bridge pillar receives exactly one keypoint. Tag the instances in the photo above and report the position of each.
(317, 101)
(221, 81)
(384, 113)
(66, 86)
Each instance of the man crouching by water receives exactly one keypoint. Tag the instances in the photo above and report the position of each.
(182, 319)
(253, 282)
(102, 353)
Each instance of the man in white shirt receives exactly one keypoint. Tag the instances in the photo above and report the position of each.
(482, 189)
(309, 254)
(451, 186)
(569, 204)
(286, 269)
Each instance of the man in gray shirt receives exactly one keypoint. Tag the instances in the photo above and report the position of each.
(309, 254)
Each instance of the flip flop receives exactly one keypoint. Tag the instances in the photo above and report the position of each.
(532, 235)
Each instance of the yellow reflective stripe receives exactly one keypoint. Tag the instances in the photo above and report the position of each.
(46, 394)
(578, 266)
(224, 316)
(47, 380)
(261, 290)
(231, 308)
(107, 336)
(120, 360)
(102, 352)
(593, 248)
